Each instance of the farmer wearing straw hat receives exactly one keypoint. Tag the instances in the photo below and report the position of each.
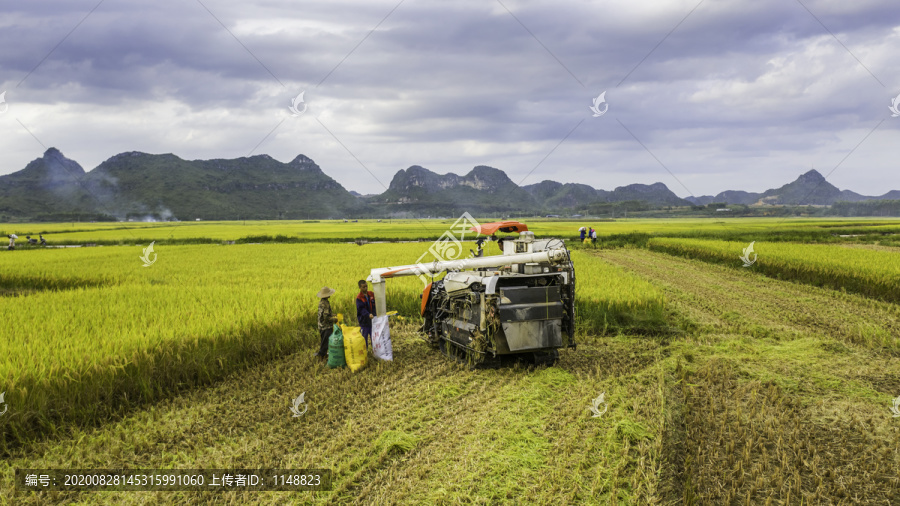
(326, 321)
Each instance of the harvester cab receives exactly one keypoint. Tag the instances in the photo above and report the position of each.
(520, 303)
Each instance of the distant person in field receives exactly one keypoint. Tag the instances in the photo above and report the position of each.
(365, 309)
(480, 244)
(43, 241)
(30, 240)
(500, 243)
(593, 236)
(326, 321)
(581, 230)
(12, 241)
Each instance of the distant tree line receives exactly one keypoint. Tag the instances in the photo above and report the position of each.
(866, 208)
(631, 206)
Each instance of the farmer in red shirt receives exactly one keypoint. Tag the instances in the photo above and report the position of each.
(365, 310)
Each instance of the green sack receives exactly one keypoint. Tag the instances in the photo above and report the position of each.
(336, 349)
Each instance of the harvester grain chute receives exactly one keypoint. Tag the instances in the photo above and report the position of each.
(519, 304)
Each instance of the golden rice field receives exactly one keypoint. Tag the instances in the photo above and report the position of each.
(723, 384)
(609, 298)
(408, 229)
(123, 334)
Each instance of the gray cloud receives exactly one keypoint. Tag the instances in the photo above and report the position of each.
(742, 95)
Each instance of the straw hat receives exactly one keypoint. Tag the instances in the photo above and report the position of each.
(325, 292)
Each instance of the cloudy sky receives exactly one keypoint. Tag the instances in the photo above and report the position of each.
(702, 96)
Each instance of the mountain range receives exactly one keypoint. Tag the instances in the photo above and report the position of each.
(135, 184)
(810, 188)
(139, 185)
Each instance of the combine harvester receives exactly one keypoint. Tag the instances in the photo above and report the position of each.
(519, 304)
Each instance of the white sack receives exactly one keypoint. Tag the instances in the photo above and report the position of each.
(381, 338)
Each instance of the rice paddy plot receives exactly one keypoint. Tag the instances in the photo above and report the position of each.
(419, 429)
(431, 229)
(610, 299)
(778, 392)
(767, 389)
(871, 272)
(96, 327)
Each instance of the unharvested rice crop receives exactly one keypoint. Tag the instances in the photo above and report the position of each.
(607, 296)
(124, 333)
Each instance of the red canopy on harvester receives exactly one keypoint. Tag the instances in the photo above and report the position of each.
(502, 226)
